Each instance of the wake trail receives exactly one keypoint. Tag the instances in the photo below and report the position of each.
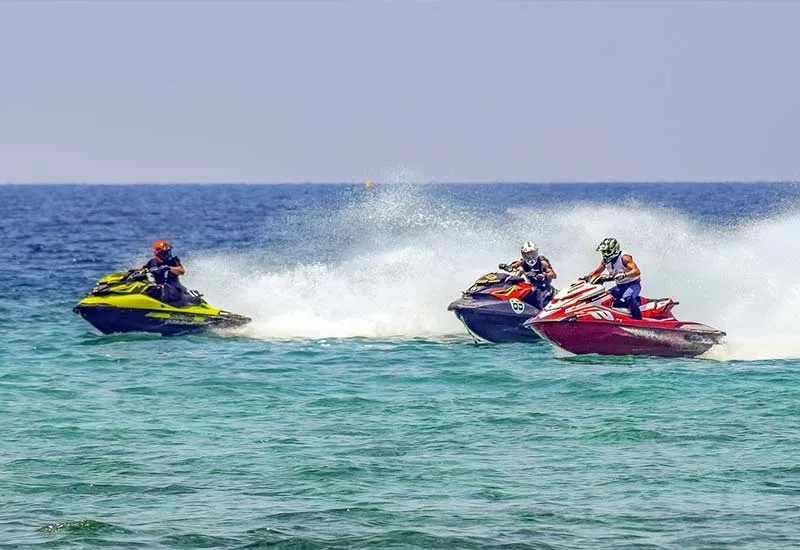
(387, 263)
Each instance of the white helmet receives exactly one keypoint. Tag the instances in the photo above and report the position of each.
(530, 252)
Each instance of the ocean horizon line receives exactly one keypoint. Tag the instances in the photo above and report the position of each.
(379, 182)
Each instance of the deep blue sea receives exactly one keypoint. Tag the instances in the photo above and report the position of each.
(355, 412)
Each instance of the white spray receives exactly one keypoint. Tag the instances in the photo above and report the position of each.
(400, 258)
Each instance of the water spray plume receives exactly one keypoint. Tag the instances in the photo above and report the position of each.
(401, 257)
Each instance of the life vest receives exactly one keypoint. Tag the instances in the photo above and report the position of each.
(536, 269)
(161, 277)
(616, 267)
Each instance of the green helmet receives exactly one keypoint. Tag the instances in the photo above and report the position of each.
(609, 249)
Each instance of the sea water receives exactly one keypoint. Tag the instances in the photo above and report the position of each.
(355, 412)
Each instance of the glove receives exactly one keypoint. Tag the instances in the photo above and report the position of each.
(585, 278)
(620, 276)
(504, 267)
(540, 278)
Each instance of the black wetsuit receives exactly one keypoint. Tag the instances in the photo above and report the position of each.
(542, 290)
(170, 289)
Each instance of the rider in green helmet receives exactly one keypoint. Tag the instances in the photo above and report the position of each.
(625, 272)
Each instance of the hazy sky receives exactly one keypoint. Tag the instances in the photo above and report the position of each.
(346, 91)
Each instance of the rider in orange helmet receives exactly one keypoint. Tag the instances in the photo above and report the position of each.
(165, 269)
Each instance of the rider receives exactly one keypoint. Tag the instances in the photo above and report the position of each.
(537, 270)
(165, 269)
(625, 272)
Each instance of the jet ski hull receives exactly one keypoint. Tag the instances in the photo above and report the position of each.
(585, 318)
(109, 319)
(632, 338)
(492, 321)
(125, 302)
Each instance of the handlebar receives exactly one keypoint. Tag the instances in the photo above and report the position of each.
(143, 273)
(519, 272)
(599, 280)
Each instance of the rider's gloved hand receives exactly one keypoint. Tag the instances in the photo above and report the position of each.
(619, 276)
(540, 278)
(585, 278)
(504, 267)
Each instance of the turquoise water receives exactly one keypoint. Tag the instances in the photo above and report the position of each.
(400, 433)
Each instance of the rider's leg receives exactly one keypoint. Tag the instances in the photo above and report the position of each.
(534, 298)
(617, 293)
(173, 296)
(631, 299)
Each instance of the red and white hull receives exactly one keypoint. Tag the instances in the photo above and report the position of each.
(632, 338)
(581, 319)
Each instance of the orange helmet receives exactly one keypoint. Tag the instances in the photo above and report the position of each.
(162, 248)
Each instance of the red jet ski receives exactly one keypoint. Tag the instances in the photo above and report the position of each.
(582, 319)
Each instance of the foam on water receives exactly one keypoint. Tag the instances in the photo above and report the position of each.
(388, 263)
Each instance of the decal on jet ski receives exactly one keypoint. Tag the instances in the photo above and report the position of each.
(177, 317)
(607, 315)
(488, 279)
(517, 305)
(506, 292)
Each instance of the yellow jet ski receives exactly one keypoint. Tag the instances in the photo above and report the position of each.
(128, 302)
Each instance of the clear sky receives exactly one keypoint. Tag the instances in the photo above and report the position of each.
(425, 91)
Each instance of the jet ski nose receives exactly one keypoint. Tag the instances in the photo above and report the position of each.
(465, 301)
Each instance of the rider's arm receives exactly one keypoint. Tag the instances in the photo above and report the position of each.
(148, 265)
(548, 270)
(633, 269)
(177, 268)
(598, 270)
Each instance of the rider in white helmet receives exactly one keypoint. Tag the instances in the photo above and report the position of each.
(538, 271)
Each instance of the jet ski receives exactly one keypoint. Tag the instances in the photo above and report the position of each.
(493, 309)
(128, 302)
(582, 319)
